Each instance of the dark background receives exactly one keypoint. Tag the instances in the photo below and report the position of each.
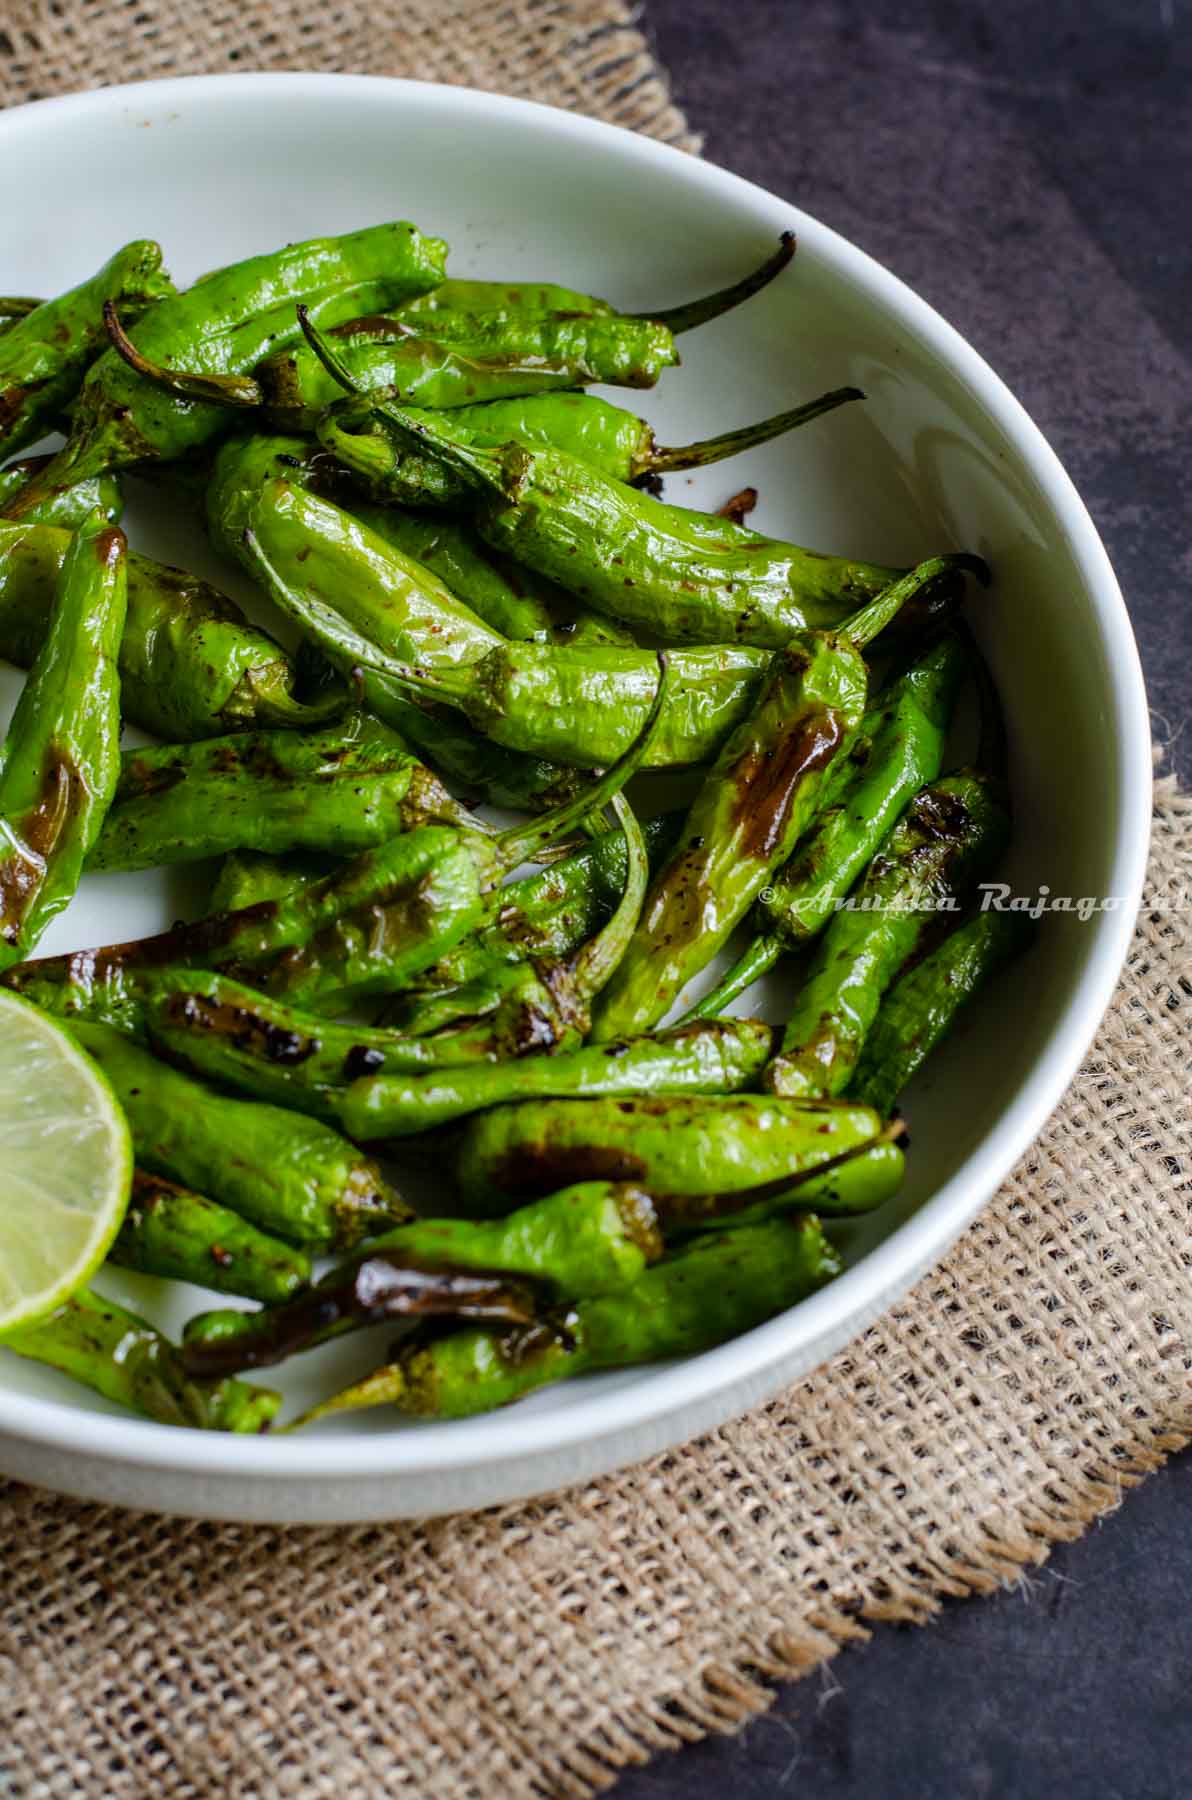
(1026, 165)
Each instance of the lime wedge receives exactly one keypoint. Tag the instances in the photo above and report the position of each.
(65, 1164)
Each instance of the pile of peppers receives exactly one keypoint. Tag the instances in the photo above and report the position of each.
(480, 1086)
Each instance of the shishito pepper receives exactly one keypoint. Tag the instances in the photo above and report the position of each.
(445, 360)
(711, 1289)
(222, 326)
(170, 1231)
(581, 707)
(898, 749)
(191, 666)
(291, 1175)
(716, 1056)
(684, 575)
(616, 442)
(448, 358)
(366, 927)
(247, 1040)
(595, 1238)
(679, 1147)
(921, 1008)
(752, 809)
(60, 762)
(45, 352)
(308, 545)
(121, 1356)
(951, 832)
(512, 601)
(547, 296)
(343, 789)
(64, 507)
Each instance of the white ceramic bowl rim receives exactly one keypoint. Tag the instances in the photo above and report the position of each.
(865, 1291)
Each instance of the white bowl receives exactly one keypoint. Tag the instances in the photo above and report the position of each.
(941, 455)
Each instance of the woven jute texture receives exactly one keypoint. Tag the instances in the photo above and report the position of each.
(536, 1649)
(584, 54)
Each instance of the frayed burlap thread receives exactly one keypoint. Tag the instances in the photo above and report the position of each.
(536, 1649)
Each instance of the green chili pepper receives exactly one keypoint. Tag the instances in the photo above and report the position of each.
(122, 1357)
(367, 927)
(290, 1175)
(547, 296)
(547, 915)
(169, 1231)
(619, 444)
(223, 326)
(246, 876)
(581, 707)
(448, 359)
(308, 545)
(343, 789)
(454, 295)
(950, 833)
(752, 809)
(242, 1039)
(898, 750)
(920, 1009)
(60, 761)
(45, 352)
(708, 1291)
(512, 601)
(65, 507)
(595, 1238)
(718, 1056)
(677, 1146)
(684, 575)
(191, 665)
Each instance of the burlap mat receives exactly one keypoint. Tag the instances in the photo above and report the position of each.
(536, 1649)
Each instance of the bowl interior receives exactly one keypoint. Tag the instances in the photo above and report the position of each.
(217, 170)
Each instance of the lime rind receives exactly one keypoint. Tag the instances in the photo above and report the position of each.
(65, 1164)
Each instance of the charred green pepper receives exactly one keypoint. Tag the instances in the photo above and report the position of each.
(60, 761)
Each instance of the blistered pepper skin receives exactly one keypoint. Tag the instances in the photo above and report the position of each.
(700, 1295)
(921, 1008)
(342, 790)
(898, 749)
(288, 1174)
(64, 507)
(121, 1356)
(595, 1238)
(172, 1232)
(714, 1057)
(45, 352)
(191, 666)
(451, 360)
(60, 760)
(223, 325)
(751, 809)
(952, 831)
(679, 1147)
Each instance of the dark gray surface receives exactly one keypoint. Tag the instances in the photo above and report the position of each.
(1027, 166)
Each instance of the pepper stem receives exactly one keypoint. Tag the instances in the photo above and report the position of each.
(754, 962)
(698, 312)
(659, 459)
(593, 966)
(523, 842)
(222, 390)
(334, 365)
(863, 626)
